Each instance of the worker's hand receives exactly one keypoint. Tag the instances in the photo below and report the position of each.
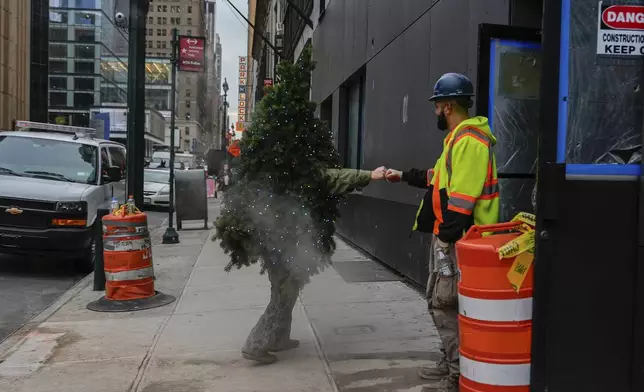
(379, 173)
(394, 175)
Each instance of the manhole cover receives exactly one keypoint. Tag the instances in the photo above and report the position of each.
(355, 330)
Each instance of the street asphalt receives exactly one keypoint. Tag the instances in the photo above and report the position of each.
(28, 285)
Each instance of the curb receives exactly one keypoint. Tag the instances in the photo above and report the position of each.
(19, 334)
(11, 340)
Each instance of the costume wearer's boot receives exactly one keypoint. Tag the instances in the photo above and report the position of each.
(262, 357)
(284, 346)
(434, 372)
(447, 384)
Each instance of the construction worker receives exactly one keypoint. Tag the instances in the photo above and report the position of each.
(462, 190)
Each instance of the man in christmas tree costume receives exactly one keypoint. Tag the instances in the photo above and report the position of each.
(282, 207)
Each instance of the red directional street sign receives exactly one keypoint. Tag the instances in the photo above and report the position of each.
(191, 53)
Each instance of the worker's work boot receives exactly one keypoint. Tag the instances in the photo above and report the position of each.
(286, 345)
(262, 357)
(447, 384)
(435, 371)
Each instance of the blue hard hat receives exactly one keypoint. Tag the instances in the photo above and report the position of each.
(452, 85)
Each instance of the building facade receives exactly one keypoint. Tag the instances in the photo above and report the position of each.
(189, 17)
(376, 66)
(87, 60)
(14, 61)
(39, 70)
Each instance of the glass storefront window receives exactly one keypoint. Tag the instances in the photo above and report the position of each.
(112, 94)
(114, 70)
(600, 103)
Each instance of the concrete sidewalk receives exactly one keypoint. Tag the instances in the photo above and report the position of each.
(364, 336)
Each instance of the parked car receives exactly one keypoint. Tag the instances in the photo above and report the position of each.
(156, 187)
(53, 179)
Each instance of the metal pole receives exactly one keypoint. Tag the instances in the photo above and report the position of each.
(136, 101)
(225, 125)
(99, 261)
(171, 236)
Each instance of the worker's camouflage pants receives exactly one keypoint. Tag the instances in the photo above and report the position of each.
(274, 326)
(442, 300)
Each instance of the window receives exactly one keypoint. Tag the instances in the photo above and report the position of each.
(159, 8)
(58, 50)
(189, 21)
(58, 83)
(186, 143)
(57, 34)
(165, 8)
(188, 80)
(187, 131)
(84, 67)
(150, 44)
(118, 159)
(85, 35)
(158, 45)
(150, 20)
(165, 32)
(57, 66)
(159, 32)
(165, 20)
(322, 7)
(188, 116)
(163, 44)
(58, 160)
(57, 99)
(83, 100)
(158, 20)
(175, 8)
(85, 51)
(188, 104)
(190, 9)
(189, 32)
(84, 84)
(59, 17)
(178, 21)
(105, 161)
(188, 92)
(150, 32)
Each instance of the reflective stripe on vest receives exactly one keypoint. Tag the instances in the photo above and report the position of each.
(495, 374)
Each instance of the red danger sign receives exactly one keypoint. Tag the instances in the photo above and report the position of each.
(620, 31)
(624, 17)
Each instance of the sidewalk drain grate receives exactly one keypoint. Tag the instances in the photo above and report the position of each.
(364, 271)
(355, 330)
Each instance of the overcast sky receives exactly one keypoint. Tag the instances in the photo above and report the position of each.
(233, 32)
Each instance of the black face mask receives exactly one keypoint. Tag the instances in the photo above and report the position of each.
(442, 122)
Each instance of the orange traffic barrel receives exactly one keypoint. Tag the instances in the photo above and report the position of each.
(129, 272)
(495, 321)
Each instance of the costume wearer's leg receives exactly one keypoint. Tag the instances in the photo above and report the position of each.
(272, 331)
(289, 294)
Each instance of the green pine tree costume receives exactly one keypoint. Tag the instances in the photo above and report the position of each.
(282, 208)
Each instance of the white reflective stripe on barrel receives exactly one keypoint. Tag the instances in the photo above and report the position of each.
(497, 310)
(126, 245)
(147, 272)
(494, 374)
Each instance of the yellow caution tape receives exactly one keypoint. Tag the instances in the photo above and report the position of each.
(519, 269)
(522, 243)
(521, 248)
(527, 218)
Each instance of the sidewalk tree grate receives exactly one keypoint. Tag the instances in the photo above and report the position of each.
(364, 271)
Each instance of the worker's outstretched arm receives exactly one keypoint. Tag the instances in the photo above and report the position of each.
(470, 165)
(343, 181)
(419, 178)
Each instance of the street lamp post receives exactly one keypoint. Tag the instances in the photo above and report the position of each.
(225, 125)
(171, 236)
